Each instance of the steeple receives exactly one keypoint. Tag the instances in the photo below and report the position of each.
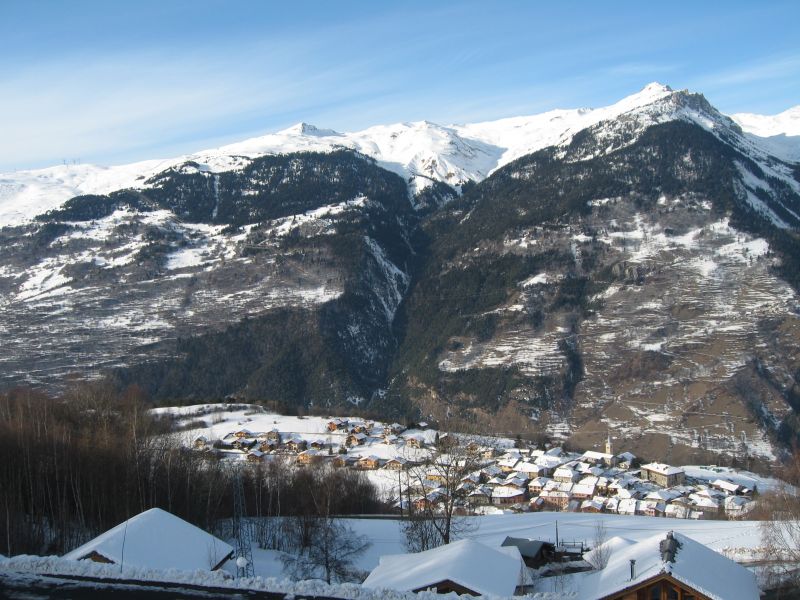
(608, 444)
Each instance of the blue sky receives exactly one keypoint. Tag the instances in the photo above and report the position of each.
(110, 82)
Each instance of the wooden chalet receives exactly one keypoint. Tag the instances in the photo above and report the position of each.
(369, 463)
(398, 463)
(669, 567)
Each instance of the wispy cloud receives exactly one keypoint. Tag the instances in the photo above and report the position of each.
(777, 67)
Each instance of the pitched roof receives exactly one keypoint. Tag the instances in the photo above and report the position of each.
(156, 539)
(662, 469)
(468, 563)
(690, 562)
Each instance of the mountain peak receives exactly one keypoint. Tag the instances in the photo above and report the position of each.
(304, 128)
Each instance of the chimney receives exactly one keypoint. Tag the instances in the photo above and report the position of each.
(633, 569)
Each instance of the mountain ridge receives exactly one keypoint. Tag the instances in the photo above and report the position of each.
(421, 152)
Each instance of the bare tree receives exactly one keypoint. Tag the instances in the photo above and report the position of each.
(332, 554)
(438, 516)
(331, 547)
(601, 552)
(780, 531)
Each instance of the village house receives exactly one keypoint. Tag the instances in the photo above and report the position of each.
(451, 568)
(508, 494)
(295, 445)
(415, 441)
(593, 505)
(274, 436)
(337, 424)
(663, 475)
(244, 433)
(480, 496)
(356, 439)
(599, 458)
(242, 443)
(200, 443)
(267, 446)
(397, 463)
(535, 486)
(369, 463)
(344, 460)
(255, 456)
(311, 456)
(565, 474)
(156, 539)
(553, 500)
(318, 444)
(729, 487)
(665, 566)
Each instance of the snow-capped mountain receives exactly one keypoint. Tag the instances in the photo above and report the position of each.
(778, 134)
(420, 152)
(634, 265)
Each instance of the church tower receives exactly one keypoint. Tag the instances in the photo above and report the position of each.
(608, 444)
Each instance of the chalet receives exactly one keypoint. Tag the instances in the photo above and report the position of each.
(737, 507)
(337, 424)
(625, 460)
(593, 505)
(318, 444)
(508, 464)
(528, 468)
(200, 443)
(415, 441)
(662, 474)
(666, 567)
(156, 539)
(310, 456)
(295, 445)
(345, 460)
(241, 443)
(508, 494)
(554, 500)
(398, 463)
(565, 474)
(729, 487)
(358, 427)
(452, 568)
(356, 439)
(396, 428)
(480, 496)
(267, 446)
(369, 463)
(255, 456)
(274, 435)
(244, 433)
(599, 458)
(535, 553)
(390, 439)
(535, 486)
(582, 491)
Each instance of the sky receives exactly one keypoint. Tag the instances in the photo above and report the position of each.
(114, 82)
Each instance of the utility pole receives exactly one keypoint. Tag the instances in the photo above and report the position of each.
(241, 530)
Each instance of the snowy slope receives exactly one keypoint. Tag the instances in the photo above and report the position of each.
(780, 134)
(420, 152)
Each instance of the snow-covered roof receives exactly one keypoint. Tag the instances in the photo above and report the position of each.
(156, 539)
(662, 469)
(594, 455)
(468, 563)
(693, 564)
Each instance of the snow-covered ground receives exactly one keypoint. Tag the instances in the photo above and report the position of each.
(737, 540)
